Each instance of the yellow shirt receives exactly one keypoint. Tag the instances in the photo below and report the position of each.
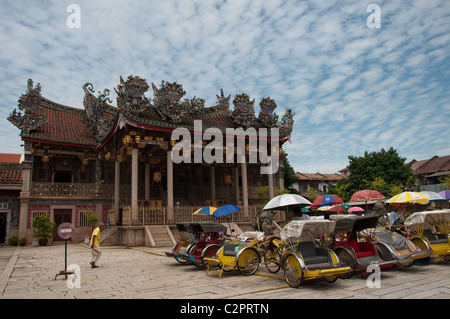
(96, 233)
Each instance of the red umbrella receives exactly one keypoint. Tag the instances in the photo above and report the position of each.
(366, 194)
(336, 209)
(326, 200)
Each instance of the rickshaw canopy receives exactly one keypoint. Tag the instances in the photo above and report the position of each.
(429, 219)
(306, 230)
(208, 227)
(355, 224)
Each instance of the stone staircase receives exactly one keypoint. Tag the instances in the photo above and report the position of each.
(159, 236)
(109, 232)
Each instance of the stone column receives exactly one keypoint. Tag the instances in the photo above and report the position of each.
(117, 189)
(147, 181)
(170, 211)
(25, 195)
(134, 184)
(244, 189)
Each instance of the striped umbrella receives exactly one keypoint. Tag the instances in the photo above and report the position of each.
(407, 199)
(207, 210)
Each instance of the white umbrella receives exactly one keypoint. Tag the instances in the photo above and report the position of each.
(286, 200)
(432, 196)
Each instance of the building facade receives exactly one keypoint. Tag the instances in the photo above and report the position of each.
(144, 161)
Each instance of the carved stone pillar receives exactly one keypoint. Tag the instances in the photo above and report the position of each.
(170, 212)
(134, 184)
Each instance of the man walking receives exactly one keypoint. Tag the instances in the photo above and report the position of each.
(95, 244)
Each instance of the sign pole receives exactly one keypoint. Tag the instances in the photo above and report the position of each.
(65, 231)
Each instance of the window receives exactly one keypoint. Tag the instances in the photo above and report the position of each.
(83, 219)
(62, 177)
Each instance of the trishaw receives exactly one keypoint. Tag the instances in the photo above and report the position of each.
(187, 237)
(430, 231)
(244, 252)
(212, 237)
(198, 240)
(354, 243)
(392, 246)
(303, 259)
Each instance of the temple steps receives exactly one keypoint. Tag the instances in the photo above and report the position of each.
(159, 236)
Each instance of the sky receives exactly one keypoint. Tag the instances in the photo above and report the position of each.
(352, 86)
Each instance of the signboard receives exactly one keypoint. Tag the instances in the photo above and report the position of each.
(65, 231)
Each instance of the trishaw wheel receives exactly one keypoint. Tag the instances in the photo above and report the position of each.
(293, 272)
(272, 259)
(248, 261)
(347, 261)
(181, 260)
(210, 252)
(330, 279)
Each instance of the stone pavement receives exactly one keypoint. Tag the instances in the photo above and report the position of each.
(29, 273)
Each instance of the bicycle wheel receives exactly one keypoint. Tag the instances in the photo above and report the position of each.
(272, 259)
(210, 252)
(346, 260)
(247, 261)
(293, 272)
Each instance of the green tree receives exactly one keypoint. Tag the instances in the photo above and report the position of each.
(289, 176)
(375, 170)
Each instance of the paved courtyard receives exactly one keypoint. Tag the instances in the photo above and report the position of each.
(29, 272)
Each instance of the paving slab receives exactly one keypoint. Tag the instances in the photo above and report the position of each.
(125, 273)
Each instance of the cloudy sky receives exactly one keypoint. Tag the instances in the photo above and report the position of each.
(352, 88)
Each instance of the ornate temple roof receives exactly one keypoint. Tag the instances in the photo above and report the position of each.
(42, 120)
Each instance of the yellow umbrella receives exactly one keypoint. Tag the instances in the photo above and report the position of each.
(407, 199)
(324, 208)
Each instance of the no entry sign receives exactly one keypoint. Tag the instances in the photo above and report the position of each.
(65, 231)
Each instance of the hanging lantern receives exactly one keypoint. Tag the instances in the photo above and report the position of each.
(157, 177)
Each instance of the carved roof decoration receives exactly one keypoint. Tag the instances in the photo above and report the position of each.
(29, 102)
(45, 121)
(97, 117)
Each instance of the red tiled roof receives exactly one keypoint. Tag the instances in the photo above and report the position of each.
(10, 172)
(318, 176)
(432, 165)
(6, 158)
(64, 126)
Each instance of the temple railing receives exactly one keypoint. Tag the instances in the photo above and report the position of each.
(157, 215)
(71, 190)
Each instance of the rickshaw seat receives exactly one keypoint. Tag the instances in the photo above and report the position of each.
(362, 249)
(435, 238)
(232, 249)
(311, 254)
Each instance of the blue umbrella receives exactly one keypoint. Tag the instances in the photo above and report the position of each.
(225, 211)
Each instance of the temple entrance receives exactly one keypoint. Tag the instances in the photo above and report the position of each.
(3, 217)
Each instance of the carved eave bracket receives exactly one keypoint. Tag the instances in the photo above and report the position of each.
(29, 103)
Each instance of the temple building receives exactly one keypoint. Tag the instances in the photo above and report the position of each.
(145, 161)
